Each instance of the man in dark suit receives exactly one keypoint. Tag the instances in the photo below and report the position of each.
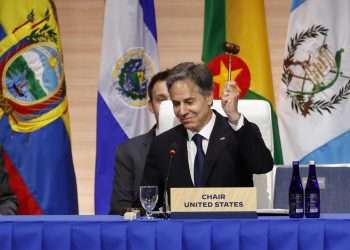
(131, 156)
(211, 150)
(8, 202)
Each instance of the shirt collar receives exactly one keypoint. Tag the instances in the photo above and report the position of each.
(156, 131)
(206, 130)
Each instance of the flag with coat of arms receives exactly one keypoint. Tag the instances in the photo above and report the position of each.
(313, 96)
(34, 121)
(129, 59)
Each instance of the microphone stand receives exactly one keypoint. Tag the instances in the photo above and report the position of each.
(172, 153)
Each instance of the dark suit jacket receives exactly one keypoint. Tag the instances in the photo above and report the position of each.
(130, 162)
(231, 159)
(8, 202)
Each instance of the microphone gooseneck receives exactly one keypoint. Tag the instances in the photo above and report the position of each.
(172, 153)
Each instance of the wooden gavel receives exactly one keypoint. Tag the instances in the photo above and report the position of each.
(230, 49)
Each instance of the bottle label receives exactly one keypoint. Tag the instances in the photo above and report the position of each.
(296, 203)
(299, 210)
(312, 203)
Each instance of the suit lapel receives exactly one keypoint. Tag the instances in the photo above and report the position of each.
(217, 144)
(147, 140)
(183, 168)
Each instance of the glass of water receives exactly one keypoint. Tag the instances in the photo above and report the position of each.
(148, 198)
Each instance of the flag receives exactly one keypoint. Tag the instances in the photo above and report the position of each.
(242, 23)
(34, 122)
(313, 96)
(129, 59)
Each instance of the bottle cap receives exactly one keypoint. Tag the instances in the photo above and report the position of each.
(311, 162)
(295, 163)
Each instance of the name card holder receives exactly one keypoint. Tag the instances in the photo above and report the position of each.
(215, 203)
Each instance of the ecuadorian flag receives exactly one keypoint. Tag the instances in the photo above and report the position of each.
(129, 59)
(34, 122)
(243, 23)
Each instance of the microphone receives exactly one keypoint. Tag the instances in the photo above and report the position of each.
(172, 153)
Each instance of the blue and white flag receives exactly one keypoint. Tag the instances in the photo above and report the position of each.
(313, 103)
(129, 59)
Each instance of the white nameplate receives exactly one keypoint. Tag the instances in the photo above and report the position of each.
(213, 199)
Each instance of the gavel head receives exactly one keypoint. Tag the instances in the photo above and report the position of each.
(231, 48)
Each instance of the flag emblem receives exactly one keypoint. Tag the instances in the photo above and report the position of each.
(312, 73)
(131, 74)
(34, 74)
(32, 70)
(219, 67)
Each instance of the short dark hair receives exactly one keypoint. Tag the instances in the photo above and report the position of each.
(198, 73)
(160, 76)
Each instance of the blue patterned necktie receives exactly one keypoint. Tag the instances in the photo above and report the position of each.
(199, 160)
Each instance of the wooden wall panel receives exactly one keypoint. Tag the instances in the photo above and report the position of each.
(180, 26)
(81, 25)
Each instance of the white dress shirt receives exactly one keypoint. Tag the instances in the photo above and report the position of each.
(205, 132)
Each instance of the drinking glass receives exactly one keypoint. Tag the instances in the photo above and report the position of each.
(148, 198)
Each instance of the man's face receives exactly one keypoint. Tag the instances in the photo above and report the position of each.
(191, 107)
(159, 93)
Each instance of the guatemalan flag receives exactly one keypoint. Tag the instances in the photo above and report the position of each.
(129, 59)
(34, 121)
(313, 101)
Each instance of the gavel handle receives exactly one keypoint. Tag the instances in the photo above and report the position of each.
(229, 67)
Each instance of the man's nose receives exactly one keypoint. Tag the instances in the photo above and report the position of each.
(182, 109)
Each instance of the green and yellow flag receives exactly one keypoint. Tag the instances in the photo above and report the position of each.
(243, 23)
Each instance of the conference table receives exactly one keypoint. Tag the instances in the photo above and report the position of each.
(102, 232)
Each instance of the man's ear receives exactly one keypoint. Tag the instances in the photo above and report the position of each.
(210, 99)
